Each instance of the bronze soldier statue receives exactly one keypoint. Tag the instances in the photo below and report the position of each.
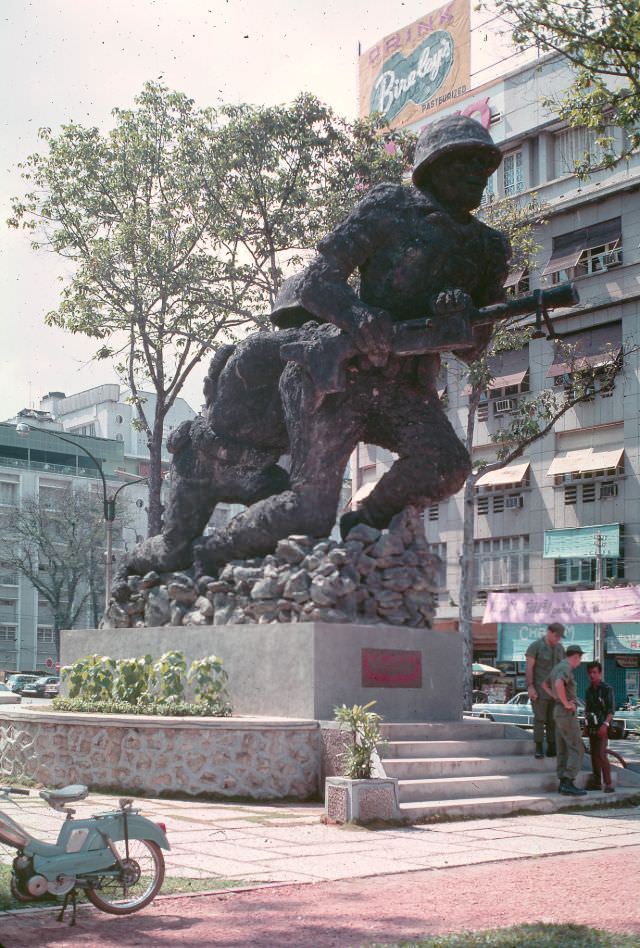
(419, 253)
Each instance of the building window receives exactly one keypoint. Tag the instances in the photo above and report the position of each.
(8, 494)
(498, 503)
(588, 493)
(7, 633)
(489, 194)
(583, 572)
(513, 173)
(440, 550)
(8, 575)
(585, 251)
(45, 635)
(51, 498)
(518, 282)
(572, 147)
(570, 495)
(503, 561)
(8, 610)
(434, 512)
(483, 505)
(87, 430)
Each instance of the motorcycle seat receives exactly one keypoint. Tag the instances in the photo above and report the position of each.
(70, 794)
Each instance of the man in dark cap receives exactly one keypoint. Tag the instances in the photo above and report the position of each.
(570, 749)
(541, 656)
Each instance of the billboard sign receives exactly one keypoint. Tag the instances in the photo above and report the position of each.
(419, 69)
(514, 638)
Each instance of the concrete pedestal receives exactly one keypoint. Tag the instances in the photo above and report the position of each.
(305, 669)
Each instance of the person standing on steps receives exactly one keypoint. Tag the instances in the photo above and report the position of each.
(561, 685)
(541, 656)
(599, 708)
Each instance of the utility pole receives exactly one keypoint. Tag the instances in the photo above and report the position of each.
(598, 628)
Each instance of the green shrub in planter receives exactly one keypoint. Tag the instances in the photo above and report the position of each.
(91, 678)
(133, 679)
(364, 727)
(208, 678)
(169, 676)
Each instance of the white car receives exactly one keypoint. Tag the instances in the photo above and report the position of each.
(7, 696)
(518, 711)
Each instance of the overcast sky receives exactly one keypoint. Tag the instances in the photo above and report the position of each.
(75, 60)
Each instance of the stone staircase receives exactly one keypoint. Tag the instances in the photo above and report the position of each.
(475, 768)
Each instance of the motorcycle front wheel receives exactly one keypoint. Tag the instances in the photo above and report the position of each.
(127, 890)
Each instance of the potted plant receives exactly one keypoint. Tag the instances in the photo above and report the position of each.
(364, 793)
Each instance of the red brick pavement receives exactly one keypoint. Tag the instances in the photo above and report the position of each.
(593, 888)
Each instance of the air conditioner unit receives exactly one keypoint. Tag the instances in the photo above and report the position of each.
(516, 501)
(503, 405)
(613, 258)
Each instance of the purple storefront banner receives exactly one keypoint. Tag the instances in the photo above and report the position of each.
(590, 605)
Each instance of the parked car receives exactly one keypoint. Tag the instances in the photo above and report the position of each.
(18, 682)
(630, 718)
(518, 711)
(52, 690)
(7, 696)
(36, 688)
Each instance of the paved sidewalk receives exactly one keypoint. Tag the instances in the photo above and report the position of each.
(255, 844)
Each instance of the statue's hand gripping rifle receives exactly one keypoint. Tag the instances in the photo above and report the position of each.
(325, 351)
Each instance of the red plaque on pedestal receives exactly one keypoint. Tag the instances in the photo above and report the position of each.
(391, 668)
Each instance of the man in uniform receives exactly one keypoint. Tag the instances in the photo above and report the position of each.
(562, 686)
(541, 656)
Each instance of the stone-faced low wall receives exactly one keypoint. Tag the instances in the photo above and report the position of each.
(260, 759)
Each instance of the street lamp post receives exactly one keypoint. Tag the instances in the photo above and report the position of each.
(108, 502)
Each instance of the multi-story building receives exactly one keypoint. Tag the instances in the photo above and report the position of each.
(570, 505)
(40, 464)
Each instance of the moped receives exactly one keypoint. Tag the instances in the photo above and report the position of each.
(114, 857)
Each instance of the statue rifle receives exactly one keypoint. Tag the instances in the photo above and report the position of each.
(326, 353)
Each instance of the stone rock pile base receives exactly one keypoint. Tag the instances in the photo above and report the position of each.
(372, 577)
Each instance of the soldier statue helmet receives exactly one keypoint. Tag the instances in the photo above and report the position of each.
(449, 134)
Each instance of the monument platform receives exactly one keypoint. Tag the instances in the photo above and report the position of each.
(305, 669)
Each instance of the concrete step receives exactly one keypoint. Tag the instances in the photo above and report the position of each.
(484, 806)
(485, 785)
(468, 729)
(469, 767)
(499, 746)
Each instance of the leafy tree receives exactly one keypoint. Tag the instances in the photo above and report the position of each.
(601, 39)
(280, 178)
(179, 222)
(129, 210)
(58, 545)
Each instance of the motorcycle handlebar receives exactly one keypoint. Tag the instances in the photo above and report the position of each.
(17, 790)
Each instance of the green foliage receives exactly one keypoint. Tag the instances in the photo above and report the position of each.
(540, 935)
(169, 676)
(140, 686)
(601, 39)
(92, 677)
(147, 705)
(280, 177)
(364, 727)
(209, 679)
(133, 679)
